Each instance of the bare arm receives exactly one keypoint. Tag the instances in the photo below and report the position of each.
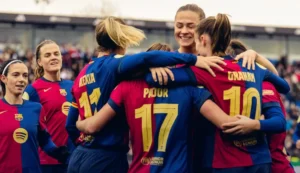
(97, 122)
(215, 114)
(266, 63)
(250, 57)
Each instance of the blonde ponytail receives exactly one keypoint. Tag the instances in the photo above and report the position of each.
(122, 34)
(114, 30)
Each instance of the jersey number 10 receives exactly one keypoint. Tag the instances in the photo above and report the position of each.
(145, 113)
(234, 95)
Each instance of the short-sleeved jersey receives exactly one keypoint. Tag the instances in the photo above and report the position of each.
(19, 128)
(280, 163)
(56, 99)
(237, 91)
(96, 81)
(159, 120)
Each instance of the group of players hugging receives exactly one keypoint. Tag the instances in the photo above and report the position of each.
(212, 106)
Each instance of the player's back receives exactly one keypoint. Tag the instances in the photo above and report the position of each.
(159, 121)
(91, 90)
(238, 92)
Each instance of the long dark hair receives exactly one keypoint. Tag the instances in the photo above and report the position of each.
(4, 70)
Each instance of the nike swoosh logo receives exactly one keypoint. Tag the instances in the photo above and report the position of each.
(45, 90)
(2, 112)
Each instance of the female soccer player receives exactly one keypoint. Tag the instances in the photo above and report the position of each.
(54, 94)
(159, 122)
(106, 151)
(270, 97)
(186, 19)
(22, 128)
(237, 91)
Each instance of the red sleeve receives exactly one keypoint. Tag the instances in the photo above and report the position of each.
(270, 96)
(269, 93)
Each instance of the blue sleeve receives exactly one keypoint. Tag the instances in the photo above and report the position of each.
(31, 94)
(280, 84)
(200, 95)
(118, 109)
(274, 119)
(45, 141)
(183, 76)
(296, 135)
(145, 60)
(60, 153)
(72, 118)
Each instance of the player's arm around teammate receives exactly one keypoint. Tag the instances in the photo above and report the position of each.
(97, 79)
(271, 98)
(275, 119)
(186, 20)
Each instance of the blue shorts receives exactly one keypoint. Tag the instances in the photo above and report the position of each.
(54, 168)
(261, 168)
(85, 160)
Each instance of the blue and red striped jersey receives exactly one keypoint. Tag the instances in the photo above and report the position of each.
(159, 120)
(22, 130)
(280, 163)
(95, 82)
(237, 91)
(56, 99)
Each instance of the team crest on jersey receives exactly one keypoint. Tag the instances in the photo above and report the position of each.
(118, 56)
(18, 117)
(63, 92)
(65, 108)
(20, 135)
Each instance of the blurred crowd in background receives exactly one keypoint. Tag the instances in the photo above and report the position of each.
(74, 60)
